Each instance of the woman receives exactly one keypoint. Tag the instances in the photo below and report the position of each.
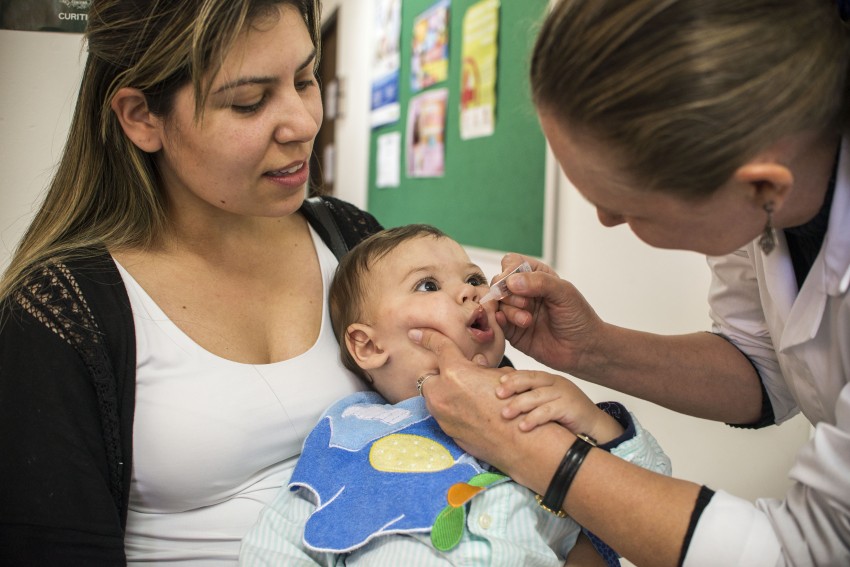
(715, 127)
(165, 345)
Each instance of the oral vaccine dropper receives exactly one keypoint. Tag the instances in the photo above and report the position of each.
(499, 290)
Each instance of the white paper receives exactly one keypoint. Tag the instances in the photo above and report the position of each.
(389, 160)
(328, 165)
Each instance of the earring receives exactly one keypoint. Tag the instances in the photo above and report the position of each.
(767, 240)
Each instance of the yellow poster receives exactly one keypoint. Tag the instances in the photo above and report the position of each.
(479, 51)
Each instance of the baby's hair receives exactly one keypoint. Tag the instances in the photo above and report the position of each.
(349, 289)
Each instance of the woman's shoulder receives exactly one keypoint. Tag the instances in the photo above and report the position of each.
(348, 213)
(354, 223)
(90, 270)
(71, 295)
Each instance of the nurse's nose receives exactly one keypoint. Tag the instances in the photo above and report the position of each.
(609, 219)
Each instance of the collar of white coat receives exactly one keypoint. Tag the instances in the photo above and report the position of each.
(836, 249)
(828, 276)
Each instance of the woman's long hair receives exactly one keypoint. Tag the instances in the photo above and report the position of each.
(106, 191)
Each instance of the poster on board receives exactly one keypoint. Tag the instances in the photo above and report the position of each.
(429, 63)
(426, 134)
(386, 61)
(44, 15)
(479, 53)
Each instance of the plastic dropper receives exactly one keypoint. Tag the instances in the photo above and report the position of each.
(499, 290)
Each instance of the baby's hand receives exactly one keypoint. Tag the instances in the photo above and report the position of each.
(544, 397)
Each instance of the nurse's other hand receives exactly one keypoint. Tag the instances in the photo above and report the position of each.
(547, 317)
(462, 398)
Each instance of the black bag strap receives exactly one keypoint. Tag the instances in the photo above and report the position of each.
(323, 222)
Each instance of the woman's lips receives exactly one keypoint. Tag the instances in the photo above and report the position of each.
(292, 176)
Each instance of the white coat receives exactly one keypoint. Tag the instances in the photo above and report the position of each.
(800, 344)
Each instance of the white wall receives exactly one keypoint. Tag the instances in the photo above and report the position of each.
(629, 283)
(40, 75)
(354, 29)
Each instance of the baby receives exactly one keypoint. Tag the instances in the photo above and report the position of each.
(378, 482)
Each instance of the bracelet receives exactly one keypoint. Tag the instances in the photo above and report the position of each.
(564, 475)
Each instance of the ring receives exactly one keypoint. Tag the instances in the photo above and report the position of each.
(421, 380)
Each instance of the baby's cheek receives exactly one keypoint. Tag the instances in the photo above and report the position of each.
(433, 318)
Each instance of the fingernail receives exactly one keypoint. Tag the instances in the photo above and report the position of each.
(414, 335)
(503, 378)
(518, 283)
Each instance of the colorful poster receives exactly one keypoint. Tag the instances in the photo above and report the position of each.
(386, 63)
(429, 63)
(44, 15)
(426, 127)
(479, 52)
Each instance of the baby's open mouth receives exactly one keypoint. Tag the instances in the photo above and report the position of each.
(479, 326)
(480, 321)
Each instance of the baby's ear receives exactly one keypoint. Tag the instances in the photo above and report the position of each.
(360, 342)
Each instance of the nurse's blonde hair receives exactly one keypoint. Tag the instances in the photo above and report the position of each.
(684, 92)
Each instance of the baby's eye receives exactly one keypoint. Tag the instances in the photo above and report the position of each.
(476, 280)
(427, 284)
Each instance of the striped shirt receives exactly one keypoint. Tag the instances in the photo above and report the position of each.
(505, 527)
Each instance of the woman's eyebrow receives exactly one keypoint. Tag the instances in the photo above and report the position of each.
(245, 81)
(263, 80)
(308, 60)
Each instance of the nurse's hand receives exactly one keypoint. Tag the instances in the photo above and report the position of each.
(547, 318)
(462, 398)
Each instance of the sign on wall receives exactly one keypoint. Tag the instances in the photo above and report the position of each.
(44, 15)
(386, 63)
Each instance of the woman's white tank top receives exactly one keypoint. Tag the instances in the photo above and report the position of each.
(214, 440)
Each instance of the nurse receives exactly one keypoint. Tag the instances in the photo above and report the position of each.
(717, 127)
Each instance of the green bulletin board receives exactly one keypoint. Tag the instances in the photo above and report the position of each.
(492, 192)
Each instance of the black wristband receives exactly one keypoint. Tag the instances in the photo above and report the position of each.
(564, 475)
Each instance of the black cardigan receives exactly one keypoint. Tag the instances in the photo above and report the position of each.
(67, 394)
